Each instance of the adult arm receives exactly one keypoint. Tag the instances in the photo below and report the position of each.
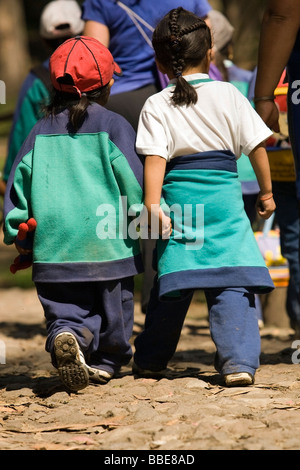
(97, 30)
(280, 26)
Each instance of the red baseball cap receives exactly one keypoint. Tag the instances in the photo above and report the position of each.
(84, 59)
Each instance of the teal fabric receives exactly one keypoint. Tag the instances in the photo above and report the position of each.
(26, 117)
(218, 235)
(223, 236)
(63, 191)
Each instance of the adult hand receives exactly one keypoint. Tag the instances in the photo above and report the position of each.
(269, 113)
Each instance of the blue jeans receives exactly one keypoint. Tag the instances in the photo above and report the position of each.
(233, 326)
(287, 216)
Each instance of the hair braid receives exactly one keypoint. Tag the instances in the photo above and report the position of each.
(175, 38)
(178, 49)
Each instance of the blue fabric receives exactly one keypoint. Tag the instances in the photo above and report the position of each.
(99, 314)
(233, 328)
(287, 216)
(128, 47)
(293, 69)
(257, 279)
(212, 160)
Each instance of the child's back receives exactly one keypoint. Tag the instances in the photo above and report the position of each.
(222, 119)
(74, 180)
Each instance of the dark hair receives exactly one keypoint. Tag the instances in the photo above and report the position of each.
(181, 40)
(76, 105)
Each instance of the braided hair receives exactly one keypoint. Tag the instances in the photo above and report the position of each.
(180, 41)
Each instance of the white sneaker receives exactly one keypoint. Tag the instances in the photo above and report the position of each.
(99, 376)
(71, 364)
(239, 379)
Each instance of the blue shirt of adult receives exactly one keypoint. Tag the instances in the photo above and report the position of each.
(128, 47)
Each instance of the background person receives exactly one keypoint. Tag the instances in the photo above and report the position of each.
(60, 20)
(113, 26)
(223, 58)
(279, 48)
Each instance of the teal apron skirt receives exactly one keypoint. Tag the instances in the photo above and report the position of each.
(212, 243)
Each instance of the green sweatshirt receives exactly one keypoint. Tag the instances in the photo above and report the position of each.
(80, 189)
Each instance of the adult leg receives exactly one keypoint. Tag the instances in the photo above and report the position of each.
(288, 220)
(234, 330)
(156, 345)
(294, 121)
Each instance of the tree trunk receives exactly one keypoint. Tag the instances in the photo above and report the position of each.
(14, 55)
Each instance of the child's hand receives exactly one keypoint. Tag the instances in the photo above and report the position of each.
(265, 206)
(159, 223)
(165, 228)
(21, 250)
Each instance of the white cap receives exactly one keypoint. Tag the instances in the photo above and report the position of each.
(61, 18)
(221, 28)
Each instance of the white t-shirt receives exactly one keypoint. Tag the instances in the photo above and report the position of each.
(222, 119)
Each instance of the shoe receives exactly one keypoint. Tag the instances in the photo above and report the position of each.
(239, 379)
(71, 364)
(99, 376)
(148, 374)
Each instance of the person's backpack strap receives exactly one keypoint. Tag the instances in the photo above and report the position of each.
(43, 74)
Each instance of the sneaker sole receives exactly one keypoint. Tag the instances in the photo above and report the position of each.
(72, 372)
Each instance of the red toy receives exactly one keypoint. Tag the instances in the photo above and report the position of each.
(25, 240)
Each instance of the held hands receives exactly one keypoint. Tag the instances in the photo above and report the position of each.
(158, 222)
(165, 226)
(265, 205)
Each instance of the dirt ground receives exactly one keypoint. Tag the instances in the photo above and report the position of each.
(189, 410)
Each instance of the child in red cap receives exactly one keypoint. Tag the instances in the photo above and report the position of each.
(76, 175)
